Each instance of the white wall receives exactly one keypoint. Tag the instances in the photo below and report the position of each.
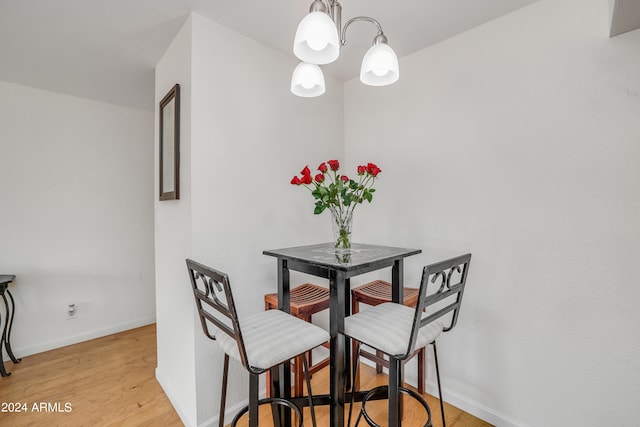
(519, 142)
(75, 182)
(248, 135)
(176, 326)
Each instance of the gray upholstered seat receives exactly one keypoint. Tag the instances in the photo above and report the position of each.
(273, 337)
(387, 327)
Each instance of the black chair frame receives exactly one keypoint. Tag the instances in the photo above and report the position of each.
(383, 391)
(215, 305)
(445, 300)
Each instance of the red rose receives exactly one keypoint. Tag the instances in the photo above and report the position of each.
(334, 165)
(319, 178)
(296, 181)
(323, 167)
(373, 170)
(306, 171)
(361, 170)
(344, 178)
(306, 179)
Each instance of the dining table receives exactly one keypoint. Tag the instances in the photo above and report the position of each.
(322, 260)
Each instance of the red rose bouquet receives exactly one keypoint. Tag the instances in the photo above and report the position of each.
(339, 194)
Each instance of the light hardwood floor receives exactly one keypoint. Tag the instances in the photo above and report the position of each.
(110, 381)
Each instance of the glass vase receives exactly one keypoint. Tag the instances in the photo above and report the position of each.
(342, 232)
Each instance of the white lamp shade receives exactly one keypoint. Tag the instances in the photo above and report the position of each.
(317, 39)
(307, 80)
(379, 66)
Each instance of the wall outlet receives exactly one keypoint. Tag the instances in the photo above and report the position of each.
(72, 312)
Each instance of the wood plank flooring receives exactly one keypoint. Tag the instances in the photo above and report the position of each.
(110, 381)
(414, 414)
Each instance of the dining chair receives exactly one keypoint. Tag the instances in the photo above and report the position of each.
(375, 293)
(259, 342)
(397, 331)
(305, 301)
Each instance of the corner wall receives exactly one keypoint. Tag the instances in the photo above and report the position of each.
(519, 142)
(176, 325)
(248, 135)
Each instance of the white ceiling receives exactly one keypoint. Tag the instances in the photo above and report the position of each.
(626, 16)
(107, 49)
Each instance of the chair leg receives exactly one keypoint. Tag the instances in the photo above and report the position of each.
(356, 355)
(298, 380)
(267, 307)
(223, 399)
(435, 358)
(421, 366)
(307, 377)
(355, 308)
(253, 399)
(309, 353)
(268, 382)
(395, 375)
(354, 362)
(379, 355)
(272, 391)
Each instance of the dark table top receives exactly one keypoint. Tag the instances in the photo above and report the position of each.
(324, 255)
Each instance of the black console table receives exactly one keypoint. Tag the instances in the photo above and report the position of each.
(5, 343)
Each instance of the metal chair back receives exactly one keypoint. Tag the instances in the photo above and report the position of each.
(445, 300)
(215, 304)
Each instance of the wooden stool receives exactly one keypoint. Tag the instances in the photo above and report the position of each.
(306, 300)
(376, 293)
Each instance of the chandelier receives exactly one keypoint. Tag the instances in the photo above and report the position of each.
(318, 40)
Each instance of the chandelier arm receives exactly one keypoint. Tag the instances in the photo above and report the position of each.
(332, 8)
(320, 6)
(343, 35)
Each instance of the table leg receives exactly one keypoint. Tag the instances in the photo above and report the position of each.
(8, 338)
(397, 288)
(337, 371)
(282, 375)
(5, 332)
(3, 371)
(347, 341)
(396, 375)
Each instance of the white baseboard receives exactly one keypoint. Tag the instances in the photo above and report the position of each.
(468, 405)
(89, 335)
(188, 421)
(475, 408)
(175, 401)
(229, 413)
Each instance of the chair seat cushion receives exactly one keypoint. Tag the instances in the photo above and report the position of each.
(273, 337)
(387, 327)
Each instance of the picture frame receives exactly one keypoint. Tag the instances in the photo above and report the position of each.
(170, 145)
